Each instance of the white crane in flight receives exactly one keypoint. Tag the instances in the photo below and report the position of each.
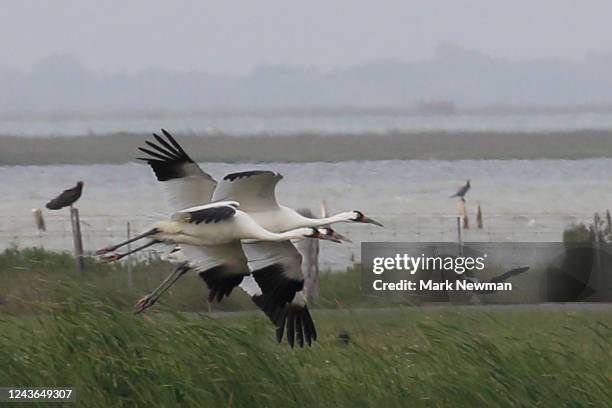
(275, 267)
(209, 236)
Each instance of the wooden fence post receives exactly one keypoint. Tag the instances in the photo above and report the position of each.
(39, 220)
(463, 213)
(597, 236)
(77, 239)
(129, 257)
(309, 249)
(479, 222)
(459, 239)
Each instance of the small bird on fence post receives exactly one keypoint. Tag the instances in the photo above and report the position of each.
(67, 199)
(463, 190)
(461, 203)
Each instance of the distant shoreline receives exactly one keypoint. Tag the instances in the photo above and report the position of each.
(309, 147)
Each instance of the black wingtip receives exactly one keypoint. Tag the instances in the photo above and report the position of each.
(291, 329)
(174, 143)
(296, 322)
(299, 330)
(280, 331)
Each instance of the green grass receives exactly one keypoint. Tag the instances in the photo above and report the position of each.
(398, 358)
(79, 331)
(31, 277)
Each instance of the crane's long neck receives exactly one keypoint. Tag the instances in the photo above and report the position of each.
(262, 234)
(255, 232)
(317, 222)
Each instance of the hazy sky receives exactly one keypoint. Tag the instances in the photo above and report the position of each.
(236, 36)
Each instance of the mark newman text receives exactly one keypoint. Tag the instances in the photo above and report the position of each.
(459, 285)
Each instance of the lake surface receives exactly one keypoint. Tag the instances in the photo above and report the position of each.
(522, 200)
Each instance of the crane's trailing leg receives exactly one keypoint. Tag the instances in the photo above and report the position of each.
(115, 257)
(112, 248)
(150, 299)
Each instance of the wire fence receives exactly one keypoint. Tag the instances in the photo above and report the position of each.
(103, 229)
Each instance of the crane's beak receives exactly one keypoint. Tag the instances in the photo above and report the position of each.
(337, 237)
(327, 234)
(368, 220)
(328, 238)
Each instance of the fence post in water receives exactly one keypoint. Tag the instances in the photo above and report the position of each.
(463, 213)
(607, 277)
(597, 237)
(459, 240)
(39, 220)
(479, 222)
(77, 239)
(129, 257)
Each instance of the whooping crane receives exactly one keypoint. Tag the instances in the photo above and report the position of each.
(256, 192)
(253, 189)
(210, 224)
(276, 267)
(213, 250)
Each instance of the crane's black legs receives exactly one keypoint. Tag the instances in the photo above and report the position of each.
(149, 300)
(111, 248)
(116, 257)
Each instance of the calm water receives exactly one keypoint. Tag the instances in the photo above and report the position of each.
(522, 200)
(251, 124)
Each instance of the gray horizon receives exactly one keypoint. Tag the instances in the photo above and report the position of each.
(91, 56)
(238, 36)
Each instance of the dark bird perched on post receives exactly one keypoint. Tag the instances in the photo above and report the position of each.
(463, 190)
(66, 198)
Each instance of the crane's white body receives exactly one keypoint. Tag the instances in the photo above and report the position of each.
(182, 230)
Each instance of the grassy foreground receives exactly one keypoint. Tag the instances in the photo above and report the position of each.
(395, 357)
(61, 329)
(30, 278)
